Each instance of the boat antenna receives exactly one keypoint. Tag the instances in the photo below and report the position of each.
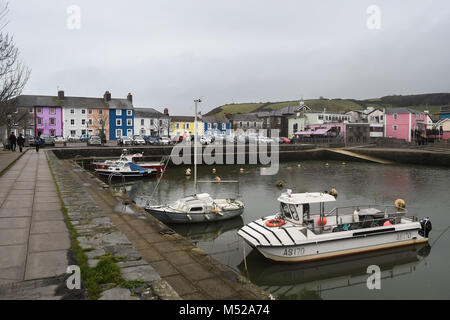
(195, 145)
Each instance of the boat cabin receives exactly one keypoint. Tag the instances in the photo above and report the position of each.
(200, 203)
(299, 208)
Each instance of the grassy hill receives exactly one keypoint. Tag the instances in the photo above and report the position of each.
(431, 102)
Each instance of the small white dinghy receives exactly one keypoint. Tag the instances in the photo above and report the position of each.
(297, 233)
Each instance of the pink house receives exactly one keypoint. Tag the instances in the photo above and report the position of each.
(48, 120)
(405, 123)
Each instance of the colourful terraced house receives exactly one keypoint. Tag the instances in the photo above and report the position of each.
(184, 126)
(406, 124)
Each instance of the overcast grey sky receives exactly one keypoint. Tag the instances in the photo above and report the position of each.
(168, 52)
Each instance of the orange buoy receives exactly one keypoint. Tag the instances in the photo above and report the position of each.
(322, 221)
(387, 223)
(217, 179)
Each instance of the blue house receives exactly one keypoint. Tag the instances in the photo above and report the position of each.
(214, 126)
(445, 113)
(121, 117)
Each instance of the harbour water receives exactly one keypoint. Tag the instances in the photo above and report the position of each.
(408, 273)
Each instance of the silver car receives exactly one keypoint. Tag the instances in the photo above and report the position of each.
(94, 140)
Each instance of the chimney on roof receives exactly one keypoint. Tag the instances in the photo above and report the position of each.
(107, 96)
(166, 111)
(60, 94)
(130, 97)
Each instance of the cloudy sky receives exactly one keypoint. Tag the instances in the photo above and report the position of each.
(168, 52)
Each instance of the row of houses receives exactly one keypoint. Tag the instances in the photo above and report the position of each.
(67, 116)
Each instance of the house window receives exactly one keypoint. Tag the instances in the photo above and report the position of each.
(248, 124)
(395, 128)
(90, 122)
(52, 121)
(142, 122)
(89, 111)
(118, 112)
(129, 122)
(73, 133)
(224, 126)
(187, 125)
(254, 124)
(240, 124)
(52, 133)
(72, 111)
(395, 116)
(39, 121)
(129, 132)
(83, 122)
(30, 110)
(72, 122)
(52, 110)
(152, 122)
(100, 121)
(209, 125)
(100, 111)
(118, 122)
(118, 133)
(160, 123)
(83, 111)
(177, 125)
(39, 110)
(143, 132)
(83, 131)
(129, 112)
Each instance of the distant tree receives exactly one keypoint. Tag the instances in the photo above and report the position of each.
(13, 74)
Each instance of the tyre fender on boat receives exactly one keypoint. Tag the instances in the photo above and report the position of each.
(277, 222)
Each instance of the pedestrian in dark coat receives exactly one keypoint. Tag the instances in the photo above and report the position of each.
(20, 142)
(37, 142)
(13, 141)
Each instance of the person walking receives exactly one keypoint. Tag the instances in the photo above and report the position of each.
(37, 142)
(13, 141)
(20, 142)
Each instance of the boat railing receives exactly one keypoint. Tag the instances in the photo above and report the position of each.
(390, 210)
(367, 221)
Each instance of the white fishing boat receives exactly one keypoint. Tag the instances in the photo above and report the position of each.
(299, 233)
(199, 207)
(125, 168)
(159, 166)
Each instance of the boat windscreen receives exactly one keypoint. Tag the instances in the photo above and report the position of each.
(285, 210)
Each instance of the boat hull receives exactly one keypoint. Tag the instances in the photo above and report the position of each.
(351, 243)
(105, 172)
(177, 217)
(159, 167)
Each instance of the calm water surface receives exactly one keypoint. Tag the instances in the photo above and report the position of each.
(411, 273)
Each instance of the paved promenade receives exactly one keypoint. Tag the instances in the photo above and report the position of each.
(34, 240)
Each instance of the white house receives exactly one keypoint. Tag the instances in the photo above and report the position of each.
(150, 122)
(75, 121)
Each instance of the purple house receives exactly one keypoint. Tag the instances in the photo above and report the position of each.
(48, 120)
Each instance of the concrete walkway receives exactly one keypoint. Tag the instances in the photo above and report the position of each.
(8, 157)
(34, 240)
(360, 156)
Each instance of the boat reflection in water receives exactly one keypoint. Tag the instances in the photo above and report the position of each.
(309, 280)
(207, 231)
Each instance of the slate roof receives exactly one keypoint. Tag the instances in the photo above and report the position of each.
(148, 113)
(401, 110)
(246, 117)
(183, 119)
(72, 102)
(215, 119)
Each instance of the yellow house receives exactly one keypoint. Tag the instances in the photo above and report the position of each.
(184, 125)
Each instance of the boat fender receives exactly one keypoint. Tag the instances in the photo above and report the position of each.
(189, 217)
(333, 192)
(322, 221)
(278, 222)
(400, 203)
(425, 223)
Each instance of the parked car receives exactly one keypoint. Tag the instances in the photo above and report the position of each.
(29, 140)
(138, 139)
(124, 141)
(94, 141)
(84, 138)
(206, 140)
(59, 139)
(285, 140)
(151, 140)
(46, 140)
(73, 138)
(165, 140)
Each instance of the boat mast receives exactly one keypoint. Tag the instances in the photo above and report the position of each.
(195, 145)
